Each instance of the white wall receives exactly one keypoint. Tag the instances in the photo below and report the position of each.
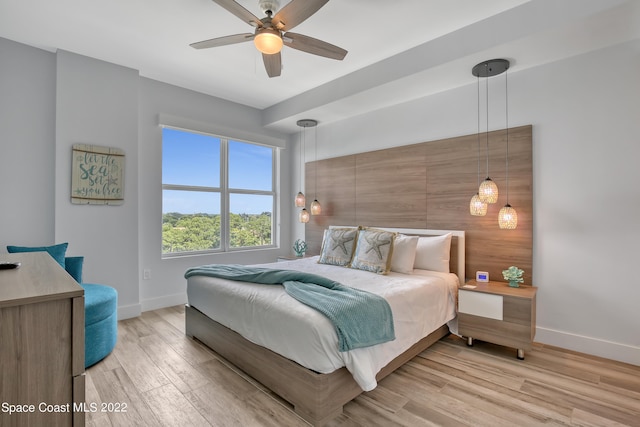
(97, 103)
(27, 145)
(585, 113)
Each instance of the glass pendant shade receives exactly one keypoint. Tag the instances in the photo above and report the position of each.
(300, 200)
(304, 215)
(508, 218)
(488, 191)
(316, 209)
(477, 207)
(268, 41)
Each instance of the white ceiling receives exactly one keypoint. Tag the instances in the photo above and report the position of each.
(398, 50)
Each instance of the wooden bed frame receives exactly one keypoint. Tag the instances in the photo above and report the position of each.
(316, 397)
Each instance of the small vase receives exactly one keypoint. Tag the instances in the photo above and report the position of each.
(514, 283)
(299, 254)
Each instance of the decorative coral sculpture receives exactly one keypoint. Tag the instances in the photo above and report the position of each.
(514, 275)
(300, 247)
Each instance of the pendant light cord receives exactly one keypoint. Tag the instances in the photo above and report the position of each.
(506, 106)
(315, 146)
(487, 90)
(478, 85)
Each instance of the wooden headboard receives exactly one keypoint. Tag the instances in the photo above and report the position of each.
(429, 186)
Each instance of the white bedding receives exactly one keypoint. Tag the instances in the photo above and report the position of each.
(266, 315)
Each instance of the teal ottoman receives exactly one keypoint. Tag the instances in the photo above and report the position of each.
(100, 322)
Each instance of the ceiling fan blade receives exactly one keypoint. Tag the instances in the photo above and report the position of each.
(223, 41)
(295, 12)
(314, 46)
(240, 12)
(273, 64)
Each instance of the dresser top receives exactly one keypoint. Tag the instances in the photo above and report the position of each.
(39, 278)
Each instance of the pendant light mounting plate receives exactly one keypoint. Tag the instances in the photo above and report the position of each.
(490, 68)
(307, 123)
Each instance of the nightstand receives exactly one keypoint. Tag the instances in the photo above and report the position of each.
(497, 313)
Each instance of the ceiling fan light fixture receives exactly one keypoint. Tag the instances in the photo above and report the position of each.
(268, 41)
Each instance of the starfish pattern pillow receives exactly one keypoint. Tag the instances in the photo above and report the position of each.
(337, 246)
(374, 250)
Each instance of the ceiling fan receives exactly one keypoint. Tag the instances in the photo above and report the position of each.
(272, 31)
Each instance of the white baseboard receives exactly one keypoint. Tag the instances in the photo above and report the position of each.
(129, 311)
(164, 301)
(593, 346)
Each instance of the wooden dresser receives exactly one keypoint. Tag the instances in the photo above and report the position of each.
(41, 344)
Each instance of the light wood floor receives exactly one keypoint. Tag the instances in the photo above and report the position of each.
(167, 379)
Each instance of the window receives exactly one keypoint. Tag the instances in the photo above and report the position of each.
(218, 194)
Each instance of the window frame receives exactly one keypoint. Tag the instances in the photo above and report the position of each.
(225, 195)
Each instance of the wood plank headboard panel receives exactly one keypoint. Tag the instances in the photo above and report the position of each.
(429, 185)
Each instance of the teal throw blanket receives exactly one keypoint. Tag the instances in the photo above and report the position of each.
(361, 319)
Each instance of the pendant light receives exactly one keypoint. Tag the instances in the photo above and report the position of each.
(488, 191)
(476, 206)
(304, 216)
(316, 208)
(507, 217)
(300, 200)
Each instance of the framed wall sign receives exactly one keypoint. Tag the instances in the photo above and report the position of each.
(97, 175)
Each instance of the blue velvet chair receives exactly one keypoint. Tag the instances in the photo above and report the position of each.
(100, 315)
(100, 304)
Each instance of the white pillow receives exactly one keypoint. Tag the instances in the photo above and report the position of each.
(433, 253)
(404, 253)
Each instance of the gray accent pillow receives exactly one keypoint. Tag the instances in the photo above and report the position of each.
(374, 250)
(337, 246)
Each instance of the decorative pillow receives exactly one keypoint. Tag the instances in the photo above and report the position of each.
(56, 251)
(404, 253)
(73, 265)
(374, 250)
(433, 253)
(337, 246)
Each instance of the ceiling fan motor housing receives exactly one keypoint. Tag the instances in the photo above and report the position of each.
(269, 7)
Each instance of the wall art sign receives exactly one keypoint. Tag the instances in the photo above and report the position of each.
(97, 175)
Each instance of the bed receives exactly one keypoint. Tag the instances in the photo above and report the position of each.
(292, 349)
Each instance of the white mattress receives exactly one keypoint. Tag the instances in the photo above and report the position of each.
(266, 315)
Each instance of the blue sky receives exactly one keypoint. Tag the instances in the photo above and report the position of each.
(194, 159)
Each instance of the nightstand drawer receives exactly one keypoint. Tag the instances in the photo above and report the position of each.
(480, 304)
